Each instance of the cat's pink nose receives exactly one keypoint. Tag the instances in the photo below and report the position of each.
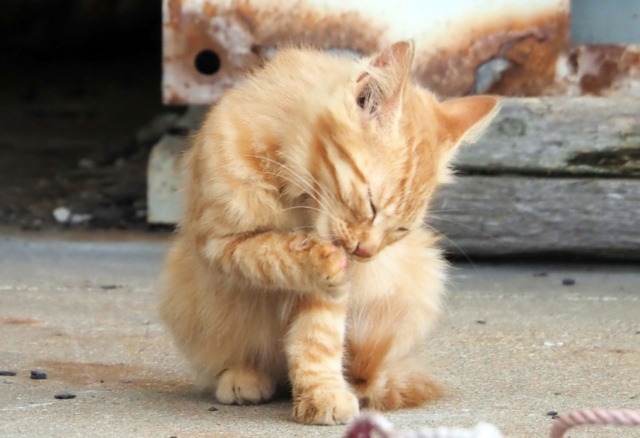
(363, 251)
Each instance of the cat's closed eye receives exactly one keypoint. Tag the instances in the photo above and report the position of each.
(373, 209)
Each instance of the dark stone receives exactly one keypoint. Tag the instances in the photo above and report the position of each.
(552, 413)
(38, 375)
(64, 396)
(213, 409)
(568, 282)
(480, 321)
(7, 373)
(540, 274)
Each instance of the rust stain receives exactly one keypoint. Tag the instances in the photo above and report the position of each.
(307, 26)
(175, 8)
(243, 35)
(530, 46)
(18, 321)
(110, 375)
(209, 9)
(600, 69)
(535, 58)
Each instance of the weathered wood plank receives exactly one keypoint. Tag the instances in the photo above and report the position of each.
(560, 135)
(518, 215)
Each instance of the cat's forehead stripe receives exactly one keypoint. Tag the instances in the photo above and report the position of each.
(326, 131)
(320, 150)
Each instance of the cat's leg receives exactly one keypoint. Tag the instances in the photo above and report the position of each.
(314, 347)
(272, 260)
(231, 337)
(385, 332)
(243, 386)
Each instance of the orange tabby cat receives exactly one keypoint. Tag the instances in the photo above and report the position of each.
(302, 258)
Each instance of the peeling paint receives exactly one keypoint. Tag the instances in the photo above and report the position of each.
(463, 47)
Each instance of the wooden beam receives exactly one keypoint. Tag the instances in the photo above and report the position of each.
(559, 136)
(493, 216)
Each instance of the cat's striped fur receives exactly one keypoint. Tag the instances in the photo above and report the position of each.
(302, 258)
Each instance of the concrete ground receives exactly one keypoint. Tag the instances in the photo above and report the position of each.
(514, 345)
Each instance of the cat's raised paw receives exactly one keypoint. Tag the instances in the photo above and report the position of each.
(327, 262)
(326, 406)
(244, 387)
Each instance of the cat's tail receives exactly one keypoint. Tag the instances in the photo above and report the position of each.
(400, 384)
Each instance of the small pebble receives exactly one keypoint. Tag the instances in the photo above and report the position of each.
(7, 373)
(557, 393)
(552, 413)
(62, 215)
(540, 274)
(480, 321)
(213, 409)
(38, 375)
(108, 287)
(568, 282)
(65, 396)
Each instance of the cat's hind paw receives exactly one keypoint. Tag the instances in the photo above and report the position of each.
(242, 386)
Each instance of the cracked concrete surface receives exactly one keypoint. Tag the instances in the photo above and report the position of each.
(513, 346)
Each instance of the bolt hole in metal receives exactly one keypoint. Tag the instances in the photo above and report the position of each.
(207, 62)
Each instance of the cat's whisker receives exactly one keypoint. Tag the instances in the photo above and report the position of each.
(454, 244)
(302, 227)
(468, 227)
(284, 166)
(325, 195)
(313, 208)
(444, 211)
(310, 188)
(300, 187)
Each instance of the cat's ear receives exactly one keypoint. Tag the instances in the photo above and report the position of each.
(381, 85)
(465, 119)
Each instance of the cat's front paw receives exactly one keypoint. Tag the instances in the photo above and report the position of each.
(327, 406)
(327, 263)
